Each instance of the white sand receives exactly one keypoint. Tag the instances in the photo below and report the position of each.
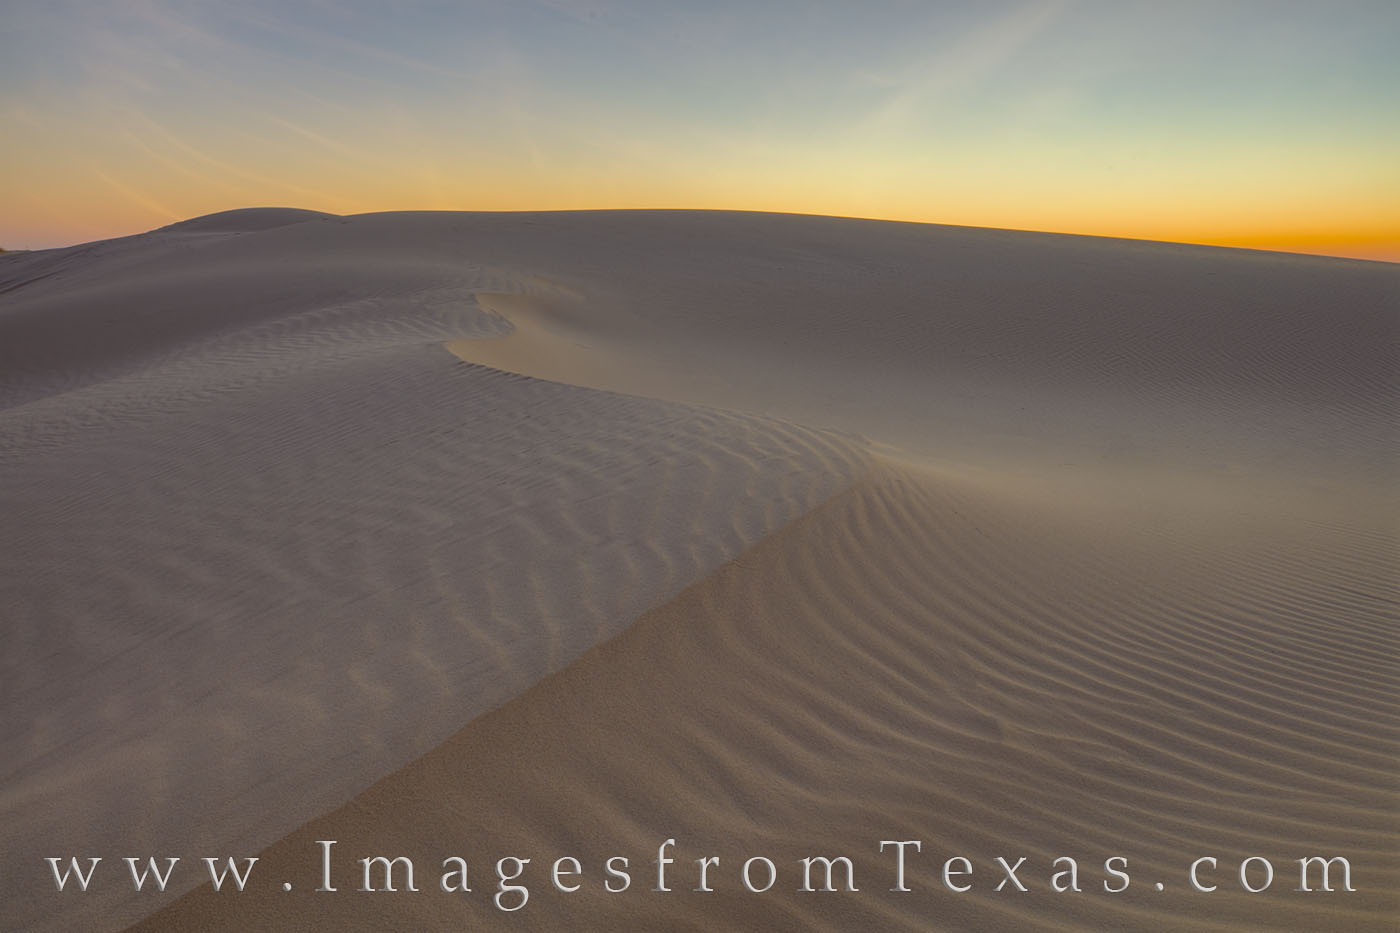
(1105, 563)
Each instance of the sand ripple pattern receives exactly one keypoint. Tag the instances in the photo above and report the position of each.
(991, 669)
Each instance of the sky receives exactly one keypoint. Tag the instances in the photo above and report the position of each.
(1261, 123)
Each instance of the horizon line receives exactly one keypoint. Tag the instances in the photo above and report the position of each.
(721, 210)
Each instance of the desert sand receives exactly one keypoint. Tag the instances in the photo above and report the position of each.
(549, 535)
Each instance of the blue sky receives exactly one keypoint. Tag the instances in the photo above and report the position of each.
(1246, 122)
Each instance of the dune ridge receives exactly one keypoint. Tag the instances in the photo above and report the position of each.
(775, 534)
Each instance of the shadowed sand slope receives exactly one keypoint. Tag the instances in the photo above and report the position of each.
(777, 535)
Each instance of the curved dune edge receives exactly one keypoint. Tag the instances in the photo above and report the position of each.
(955, 658)
(1055, 353)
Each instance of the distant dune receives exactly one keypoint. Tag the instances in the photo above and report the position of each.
(551, 535)
(245, 220)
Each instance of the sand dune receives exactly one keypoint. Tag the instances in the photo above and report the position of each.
(776, 535)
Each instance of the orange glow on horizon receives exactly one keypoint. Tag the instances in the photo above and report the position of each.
(111, 220)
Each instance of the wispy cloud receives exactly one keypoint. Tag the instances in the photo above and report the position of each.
(938, 76)
(319, 38)
(137, 196)
(227, 169)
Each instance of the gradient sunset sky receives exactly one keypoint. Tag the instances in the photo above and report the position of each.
(1264, 123)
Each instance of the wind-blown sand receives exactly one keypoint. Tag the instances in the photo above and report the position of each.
(775, 535)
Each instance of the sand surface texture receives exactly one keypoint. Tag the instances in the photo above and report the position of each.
(547, 535)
